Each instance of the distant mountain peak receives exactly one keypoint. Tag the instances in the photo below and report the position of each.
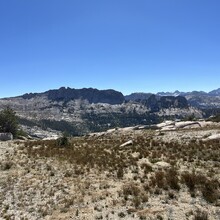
(175, 93)
(215, 92)
(109, 96)
(199, 99)
(138, 95)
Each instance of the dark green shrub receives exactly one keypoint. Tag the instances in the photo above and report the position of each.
(8, 121)
(63, 141)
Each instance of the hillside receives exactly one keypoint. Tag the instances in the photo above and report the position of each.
(119, 174)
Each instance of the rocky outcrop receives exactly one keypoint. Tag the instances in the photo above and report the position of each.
(173, 125)
(156, 103)
(212, 137)
(173, 102)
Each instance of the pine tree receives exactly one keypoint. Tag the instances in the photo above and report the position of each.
(8, 121)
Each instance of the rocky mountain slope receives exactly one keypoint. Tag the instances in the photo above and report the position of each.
(87, 110)
(198, 99)
(138, 96)
(91, 95)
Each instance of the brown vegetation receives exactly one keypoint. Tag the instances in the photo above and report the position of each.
(98, 172)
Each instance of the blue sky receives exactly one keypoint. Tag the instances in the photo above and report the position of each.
(127, 45)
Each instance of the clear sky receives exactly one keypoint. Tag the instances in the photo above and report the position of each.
(127, 45)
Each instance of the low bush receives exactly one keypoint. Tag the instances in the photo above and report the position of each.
(201, 215)
(63, 141)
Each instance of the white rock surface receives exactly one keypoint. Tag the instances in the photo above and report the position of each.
(130, 142)
(213, 136)
(162, 164)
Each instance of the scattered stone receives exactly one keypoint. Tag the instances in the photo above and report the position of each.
(187, 124)
(162, 164)
(213, 136)
(166, 123)
(127, 143)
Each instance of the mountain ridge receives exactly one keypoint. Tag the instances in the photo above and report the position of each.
(109, 96)
(81, 111)
(198, 99)
(62, 91)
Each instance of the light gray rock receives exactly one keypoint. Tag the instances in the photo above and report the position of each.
(127, 143)
(212, 137)
(184, 124)
(162, 164)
